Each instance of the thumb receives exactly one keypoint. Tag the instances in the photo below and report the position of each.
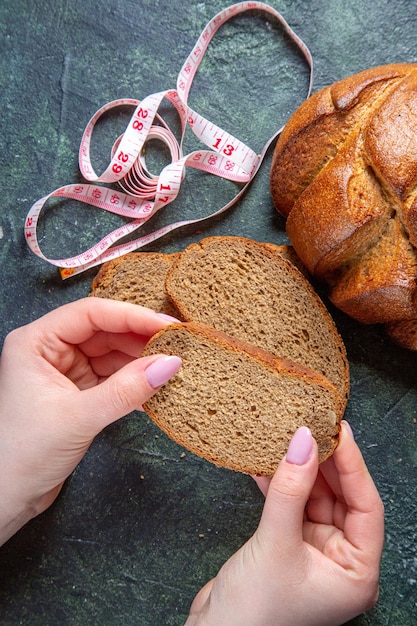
(127, 389)
(289, 491)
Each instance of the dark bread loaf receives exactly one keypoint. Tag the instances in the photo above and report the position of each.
(248, 290)
(344, 173)
(403, 333)
(138, 278)
(236, 405)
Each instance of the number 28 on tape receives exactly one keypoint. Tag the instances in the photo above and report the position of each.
(141, 194)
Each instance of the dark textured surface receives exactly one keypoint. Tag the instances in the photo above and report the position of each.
(140, 526)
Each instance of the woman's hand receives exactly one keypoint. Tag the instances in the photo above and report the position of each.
(63, 378)
(315, 557)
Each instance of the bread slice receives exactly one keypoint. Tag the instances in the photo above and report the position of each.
(236, 405)
(250, 291)
(139, 278)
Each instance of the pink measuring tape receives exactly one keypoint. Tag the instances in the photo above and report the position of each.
(143, 193)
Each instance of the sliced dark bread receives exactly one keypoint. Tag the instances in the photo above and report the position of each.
(139, 277)
(237, 405)
(250, 291)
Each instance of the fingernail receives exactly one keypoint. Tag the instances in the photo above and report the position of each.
(348, 428)
(160, 371)
(168, 318)
(301, 446)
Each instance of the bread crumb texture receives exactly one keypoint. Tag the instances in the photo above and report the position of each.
(238, 406)
(138, 278)
(249, 291)
(261, 354)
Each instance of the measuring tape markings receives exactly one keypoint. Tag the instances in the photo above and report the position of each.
(130, 143)
(143, 193)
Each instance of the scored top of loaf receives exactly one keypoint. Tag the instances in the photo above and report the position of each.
(313, 134)
(344, 172)
(249, 291)
(237, 405)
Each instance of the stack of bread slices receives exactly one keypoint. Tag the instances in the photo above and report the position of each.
(261, 353)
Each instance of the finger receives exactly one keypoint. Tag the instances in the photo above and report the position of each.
(364, 521)
(105, 366)
(288, 493)
(101, 343)
(201, 598)
(126, 390)
(331, 475)
(86, 373)
(263, 483)
(320, 507)
(329, 506)
(78, 321)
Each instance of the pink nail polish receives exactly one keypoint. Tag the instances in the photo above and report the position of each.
(161, 370)
(301, 446)
(349, 428)
(169, 318)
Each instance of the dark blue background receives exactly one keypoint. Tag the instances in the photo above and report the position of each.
(140, 526)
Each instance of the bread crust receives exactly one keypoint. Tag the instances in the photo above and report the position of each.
(403, 333)
(267, 359)
(202, 258)
(344, 173)
(255, 462)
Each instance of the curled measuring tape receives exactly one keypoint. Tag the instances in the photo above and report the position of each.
(143, 194)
